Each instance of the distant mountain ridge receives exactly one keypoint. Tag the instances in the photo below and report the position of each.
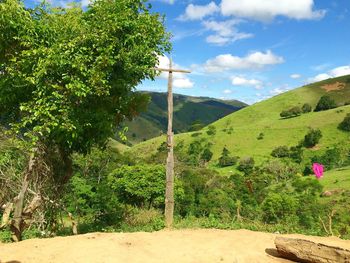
(187, 110)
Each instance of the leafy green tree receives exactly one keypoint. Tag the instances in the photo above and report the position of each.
(325, 103)
(68, 76)
(306, 108)
(312, 138)
(280, 152)
(206, 155)
(278, 206)
(225, 158)
(292, 112)
(296, 153)
(345, 124)
(246, 165)
(140, 185)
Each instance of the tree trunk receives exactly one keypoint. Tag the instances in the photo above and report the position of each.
(300, 250)
(17, 224)
(169, 191)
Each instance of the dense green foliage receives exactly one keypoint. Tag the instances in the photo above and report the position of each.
(312, 138)
(345, 124)
(226, 159)
(292, 112)
(306, 108)
(65, 71)
(325, 103)
(280, 152)
(68, 77)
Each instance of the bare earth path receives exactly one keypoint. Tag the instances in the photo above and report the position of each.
(195, 246)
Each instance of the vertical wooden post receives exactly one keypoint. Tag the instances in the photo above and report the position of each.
(169, 191)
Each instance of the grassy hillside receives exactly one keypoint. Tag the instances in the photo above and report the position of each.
(239, 131)
(338, 179)
(187, 110)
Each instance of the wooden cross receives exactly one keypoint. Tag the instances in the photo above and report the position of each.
(169, 190)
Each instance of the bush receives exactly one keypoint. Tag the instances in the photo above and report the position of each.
(312, 138)
(206, 155)
(227, 160)
(278, 206)
(325, 103)
(306, 108)
(345, 124)
(280, 152)
(293, 112)
(261, 136)
(139, 185)
(296, 153)
(246, 165)
(211, 130)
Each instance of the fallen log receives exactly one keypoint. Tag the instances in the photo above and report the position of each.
(301, 250)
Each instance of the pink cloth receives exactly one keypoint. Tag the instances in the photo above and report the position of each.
(318, 170)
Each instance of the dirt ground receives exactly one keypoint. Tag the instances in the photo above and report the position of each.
(334, 86)
(192, 246)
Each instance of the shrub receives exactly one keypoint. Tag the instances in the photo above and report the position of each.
(292, 112)
(261, 136)
(278, 206)
(246, 165)
(345, 124)
(296, 153)
(285, 114)
(325, 103)
(206, 155)
(280, 152)
(225, 158)
(139, 185)
(312, 138)
(306, 108)
(211, 130)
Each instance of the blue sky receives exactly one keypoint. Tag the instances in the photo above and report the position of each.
(253, 49)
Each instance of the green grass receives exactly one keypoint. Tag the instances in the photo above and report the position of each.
(336, 179)
(264, 117)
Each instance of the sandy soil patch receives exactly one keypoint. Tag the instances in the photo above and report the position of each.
(192, 246)
(334, 86)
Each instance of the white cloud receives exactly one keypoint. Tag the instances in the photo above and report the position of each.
(242, 81)
(180, 80)
(267, 10)
(340, 71)
(256, 60)
(227, 91)
(336, 72)
(198, 12)
(183, 83)
(225, 32)
(295, 76)
(85, 3)
(279, 90)
(319, 77)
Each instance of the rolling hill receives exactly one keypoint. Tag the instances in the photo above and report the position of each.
(239, 131)
(187, 110)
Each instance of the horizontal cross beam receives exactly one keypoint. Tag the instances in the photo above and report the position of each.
(172, 70)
